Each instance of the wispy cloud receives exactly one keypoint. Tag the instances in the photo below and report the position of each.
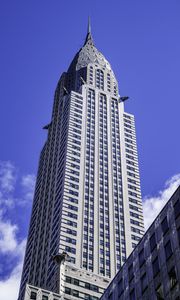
(7, 176)
(28, 184)
(11, 246)
(8, 242)
(12, 243)
(152, 205)
(9, 287)
(9, 180)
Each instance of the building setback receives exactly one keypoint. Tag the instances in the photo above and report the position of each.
(152, 271)
(87, 210)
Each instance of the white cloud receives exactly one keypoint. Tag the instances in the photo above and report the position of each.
(6, 201)
(8, 186)
(11, 244)
(152, 205)
(28, 184)
(7, 176)
(9, 288)
(8, 241)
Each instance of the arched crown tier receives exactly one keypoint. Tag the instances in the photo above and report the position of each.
(88, 57)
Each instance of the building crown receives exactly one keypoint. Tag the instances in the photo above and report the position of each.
(89, 54)
(88, 57)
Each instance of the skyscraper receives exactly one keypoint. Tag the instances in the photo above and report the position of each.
(87, 208)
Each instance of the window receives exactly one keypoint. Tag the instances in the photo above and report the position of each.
(99, 79)
(68, 279)
(76, 281)
(33, 295)
(69, 240)
(70, 249)
(172, 277)
(135, 238)
(152, 242)
(120, 287)
(168, 250)
(132, 214)
(67, 291)
(75, 293)
(135, 222)
(87, 285)
(177, 208)
(155, 266)
(93, 298)
(178, 232)
(164, 226)
(159, 293)
(134, 207)
(144, 282)
(74, 216)
(137, 230)
(130, 271)
(132, 295)
(94, 288)
(141, 258)
(133, 200)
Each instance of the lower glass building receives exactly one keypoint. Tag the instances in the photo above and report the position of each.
(152, 271)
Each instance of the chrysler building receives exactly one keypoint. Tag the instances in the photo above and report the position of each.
(87, 209)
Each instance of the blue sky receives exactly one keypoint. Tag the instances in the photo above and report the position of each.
(38, 41)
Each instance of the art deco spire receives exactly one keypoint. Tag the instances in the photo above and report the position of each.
(89, 25)
(89, 35)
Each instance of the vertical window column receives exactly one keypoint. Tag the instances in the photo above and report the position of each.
(117, 187)
(88, 230)
(103, 189)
